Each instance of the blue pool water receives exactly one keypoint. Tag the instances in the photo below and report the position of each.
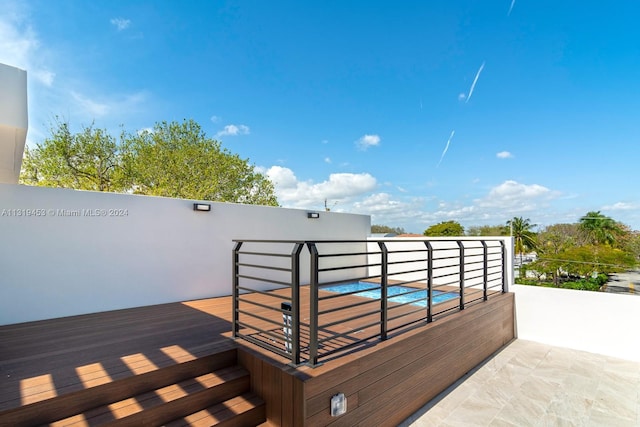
(417, 298)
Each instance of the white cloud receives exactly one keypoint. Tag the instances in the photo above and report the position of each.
(113, 105)
(327, 159)
(462, 96)
(368, 141)
(504, 155)
(515, 197)
(94, 108)
(20, 46)
(121, 23)
(234, 130)
(341, 187)
(620, 206)
(216, 119)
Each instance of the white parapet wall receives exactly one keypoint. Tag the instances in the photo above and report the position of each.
(13, 122)
(67, 252)
(596, 322)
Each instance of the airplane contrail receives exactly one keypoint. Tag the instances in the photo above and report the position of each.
(475, 80)
(513, 2)
(446, 147)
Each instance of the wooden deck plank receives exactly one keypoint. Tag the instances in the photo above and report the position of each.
(84, 351)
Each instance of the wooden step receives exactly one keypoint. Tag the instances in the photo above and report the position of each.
(246, 410)
(159, 406)
(80, 401)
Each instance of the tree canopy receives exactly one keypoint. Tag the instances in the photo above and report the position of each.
(375, 228)
(445, 229)
(523, 237)
(172, 160)
(600, 228)
(88, 160)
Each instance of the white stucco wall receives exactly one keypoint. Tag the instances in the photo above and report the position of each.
(54, 265)
(596, 322)
(13, 121)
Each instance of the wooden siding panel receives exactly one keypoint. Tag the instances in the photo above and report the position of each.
(454, 348)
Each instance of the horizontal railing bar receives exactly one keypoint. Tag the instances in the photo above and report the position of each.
(446, 310)
(348, 334)
(353, 279)
(455, 273)
(265, 267)
(409, 313)
(262, 279)
(274, 254)
(349, 319)
(268, 307)
(405, 282)
(274, 336)
(407, 251)
(348, 346)
(264, 331)
(339, 254)
(264, 319)
(267, 293)
(348, 267)
(335, 295)
(358, 304)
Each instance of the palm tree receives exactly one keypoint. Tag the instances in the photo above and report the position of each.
(599, 228)
(523, 237)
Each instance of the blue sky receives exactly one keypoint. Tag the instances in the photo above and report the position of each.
(412, 112)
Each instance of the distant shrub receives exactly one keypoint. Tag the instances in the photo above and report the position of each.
(590, 284)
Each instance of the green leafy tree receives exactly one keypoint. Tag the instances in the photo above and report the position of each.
(523, 238)
(386, 229)
(599, 228)
(552, 241)
(445, 229)
(88, 160)
(488, 230)
(172, 160)
(179, 160)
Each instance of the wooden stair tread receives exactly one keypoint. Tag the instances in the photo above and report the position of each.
(153, 405)
(245, 410)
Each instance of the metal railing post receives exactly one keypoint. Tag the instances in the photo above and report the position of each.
(384, 271)
(235, 314)
(295, 302)
(313, 305)
(461, 247)
(504, 266)
(485, 275)
(429, 282)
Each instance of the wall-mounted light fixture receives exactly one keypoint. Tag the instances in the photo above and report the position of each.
(338, 404)
(313, 215)
(203, 207)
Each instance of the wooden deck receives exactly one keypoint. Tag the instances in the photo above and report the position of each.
(40, 360)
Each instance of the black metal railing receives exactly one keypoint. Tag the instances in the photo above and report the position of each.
(285, 298)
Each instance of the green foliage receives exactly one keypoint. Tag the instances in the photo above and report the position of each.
(589, 284)
(179, 160)
(524, 239)
(445, 229)
(88, 160)
(173, 160)
(600, 229)
(488, 230)
(386, 229)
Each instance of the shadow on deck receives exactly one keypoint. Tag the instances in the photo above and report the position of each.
(384, 382)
